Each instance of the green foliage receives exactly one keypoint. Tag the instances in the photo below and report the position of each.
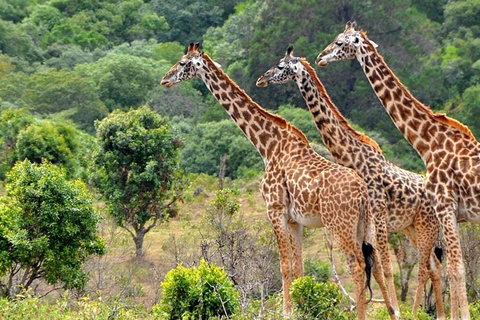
(199, 292)
(15, 42)
(168, 51)
(224, 202)
(474, 310)
(27, 306)
(136, 169)
(183, 100)
(405, 311)
(57, 142)
(46, 16)
(53, 91)
(188, 20)
(47, 226)
(12, 121)
(302, 119)
(319, 271)
(316, 300)
(470, 108)
(15, 10)
(122, 81)
(207, 142)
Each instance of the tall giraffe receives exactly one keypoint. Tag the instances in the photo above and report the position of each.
(448, 148)
(300, 187)
(397, 196)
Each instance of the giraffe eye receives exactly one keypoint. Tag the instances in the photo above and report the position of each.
(339, 43)
(280, 66)
(182, 63)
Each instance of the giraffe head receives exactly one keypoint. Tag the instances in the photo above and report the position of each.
(186, 68)
(286, 69)
(345, 46)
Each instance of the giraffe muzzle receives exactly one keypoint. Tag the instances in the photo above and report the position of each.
(321, 61)
(262, 82)
(166, 83)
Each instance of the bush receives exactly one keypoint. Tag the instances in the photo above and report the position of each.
(316, 300)
(319, 271)
(199, 292)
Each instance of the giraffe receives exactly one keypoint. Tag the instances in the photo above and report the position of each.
(300, 187)
(447, 147)
(397, 197)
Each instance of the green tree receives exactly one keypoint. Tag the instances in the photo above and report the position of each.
(470, 108)
(15, 10)
(57, 142)
(48, 228)
(136, 170)
(51, 91)
(207, 142)
(122, 81)
(188, 19)
(15, 42)
(12, 121)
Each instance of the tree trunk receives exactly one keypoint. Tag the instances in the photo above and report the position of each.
(138, 239)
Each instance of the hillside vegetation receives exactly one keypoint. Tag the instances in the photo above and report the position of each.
(73, 73)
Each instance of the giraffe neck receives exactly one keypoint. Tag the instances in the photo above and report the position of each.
(343, 142)
(423, 129)
(266, 131)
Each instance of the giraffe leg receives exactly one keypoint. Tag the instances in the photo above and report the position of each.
(283, 238)
(378, 274)
(386, 264)
(423, 235)
(436, 277)
(356, 264)
(455, 267)
(424, 247)
(296, 235)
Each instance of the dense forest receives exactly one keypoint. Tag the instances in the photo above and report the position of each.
(75, 72)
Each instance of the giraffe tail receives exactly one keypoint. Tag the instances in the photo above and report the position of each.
(367, 247)
(438, 253)
(367, 250)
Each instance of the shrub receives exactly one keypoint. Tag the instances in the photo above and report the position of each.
(199, 292)
(319, 271)
(316, 300)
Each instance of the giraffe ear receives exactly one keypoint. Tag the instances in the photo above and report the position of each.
(373, 43)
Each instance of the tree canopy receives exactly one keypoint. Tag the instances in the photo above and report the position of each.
(136, 170)
(48, 227)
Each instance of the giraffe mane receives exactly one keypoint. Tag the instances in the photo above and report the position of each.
(359, 135)
(441, 117)
(275, 118)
